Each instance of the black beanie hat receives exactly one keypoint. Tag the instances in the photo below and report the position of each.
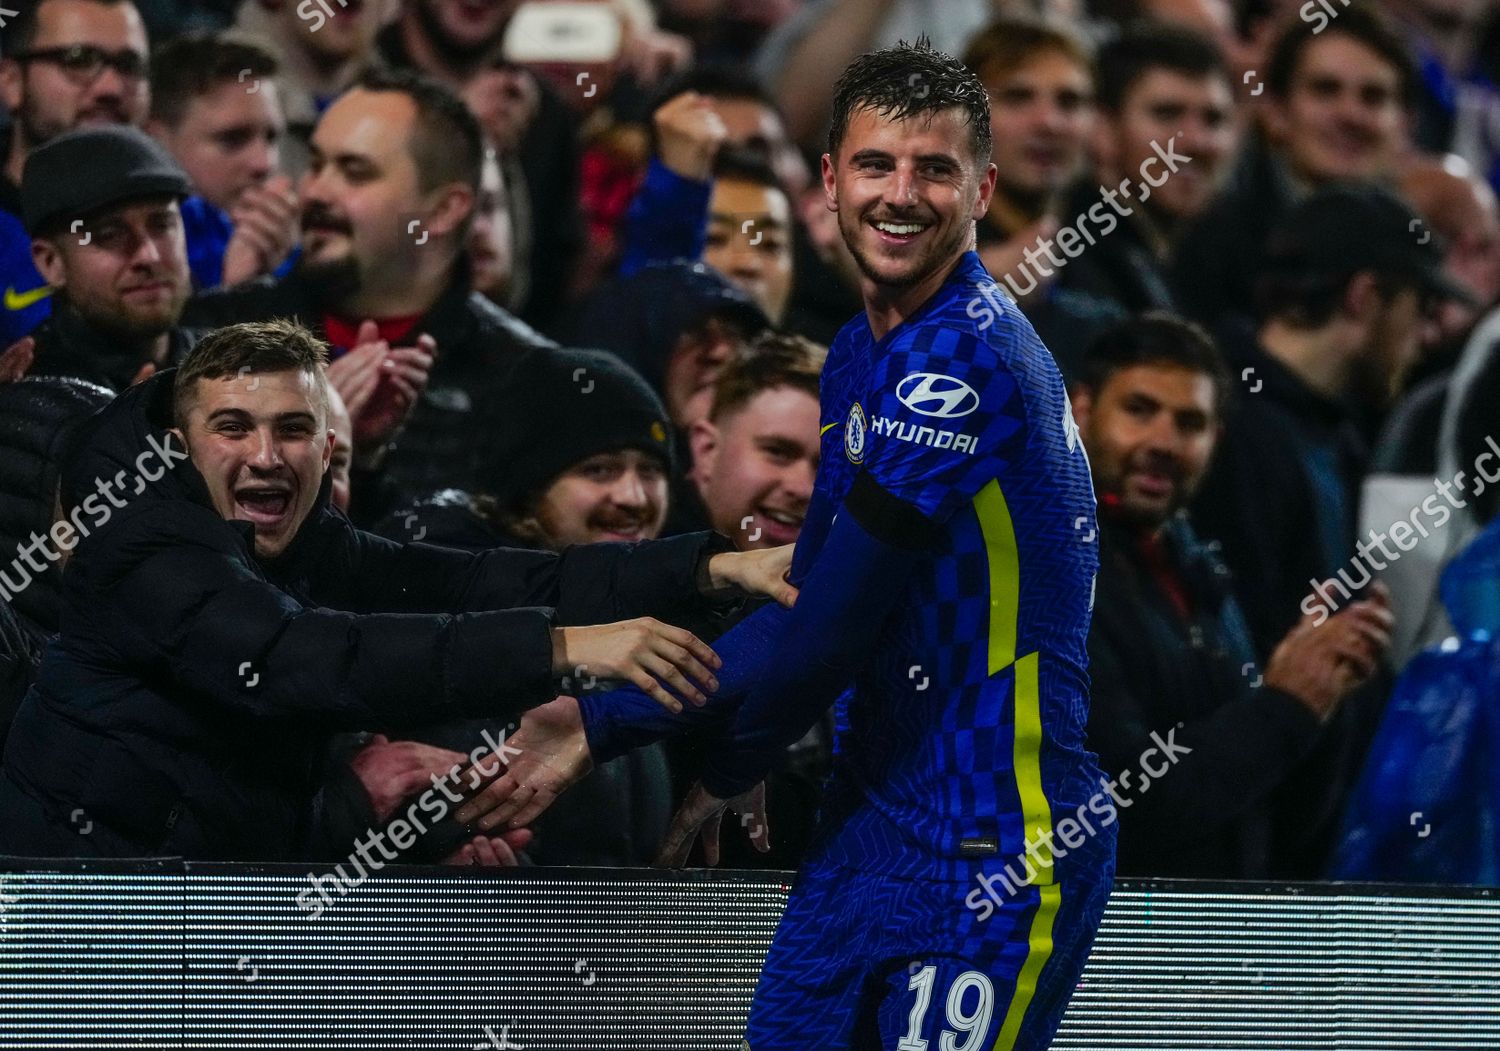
(578, 403)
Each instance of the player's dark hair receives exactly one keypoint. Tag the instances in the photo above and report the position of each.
(1153, 338)
(1147, 46)
(193, 64)
(20, 29)
(1357, 21)
(446, 142)
(911, 80)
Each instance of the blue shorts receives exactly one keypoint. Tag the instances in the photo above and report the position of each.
(864, 962)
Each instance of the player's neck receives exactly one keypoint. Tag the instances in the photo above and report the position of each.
(887, 307)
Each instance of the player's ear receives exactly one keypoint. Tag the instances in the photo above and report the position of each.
(986, 191)
(830, 184)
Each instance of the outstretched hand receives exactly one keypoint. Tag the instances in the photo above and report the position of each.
(702, 813)
(757, 572)
(543, 758)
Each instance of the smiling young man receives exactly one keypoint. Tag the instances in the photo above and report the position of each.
(946, 569)
(755, 455)
(223, 621)
(1337, 108)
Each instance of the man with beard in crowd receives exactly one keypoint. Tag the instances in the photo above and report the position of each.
(66, 64)
(387, 204)
(1170, 654)
(102, 205)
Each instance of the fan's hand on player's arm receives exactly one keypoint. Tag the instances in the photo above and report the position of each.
(546, 755)
(652, 655)
(761, 572)
(700, 816)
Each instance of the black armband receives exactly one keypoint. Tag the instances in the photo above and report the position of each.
(888, 518)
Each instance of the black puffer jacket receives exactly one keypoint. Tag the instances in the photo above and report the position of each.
(35, 416)
(190, 696)
(67, 345)
(484, 356)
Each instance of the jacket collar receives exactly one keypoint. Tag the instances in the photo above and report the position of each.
(85, 346)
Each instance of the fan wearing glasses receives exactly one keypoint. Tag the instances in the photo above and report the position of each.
(66, 64)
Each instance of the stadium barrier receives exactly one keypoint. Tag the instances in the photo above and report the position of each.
(165, 954)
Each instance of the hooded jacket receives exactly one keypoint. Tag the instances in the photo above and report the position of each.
(191, 694)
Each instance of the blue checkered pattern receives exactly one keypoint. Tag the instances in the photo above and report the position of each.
(960, 412)
(926, 742)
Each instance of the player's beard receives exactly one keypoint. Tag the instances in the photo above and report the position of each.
(938, 254)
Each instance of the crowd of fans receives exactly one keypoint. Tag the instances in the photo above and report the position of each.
(576, 276)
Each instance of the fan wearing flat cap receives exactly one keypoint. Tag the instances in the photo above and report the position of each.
(101, 205)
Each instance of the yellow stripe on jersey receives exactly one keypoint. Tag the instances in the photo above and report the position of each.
(1003, 556)
(826, 428)
(1038, 952)
(1036, 813)
(1005, 573)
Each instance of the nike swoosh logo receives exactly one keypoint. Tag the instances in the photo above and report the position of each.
(826, 428)
(21, 300)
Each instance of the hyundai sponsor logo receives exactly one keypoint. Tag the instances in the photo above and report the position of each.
(933, 394)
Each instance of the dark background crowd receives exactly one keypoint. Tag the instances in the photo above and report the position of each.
(1261, 240)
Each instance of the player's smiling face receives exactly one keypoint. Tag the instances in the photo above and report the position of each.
(907, 193)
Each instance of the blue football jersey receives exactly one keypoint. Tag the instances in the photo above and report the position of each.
(962, 741)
